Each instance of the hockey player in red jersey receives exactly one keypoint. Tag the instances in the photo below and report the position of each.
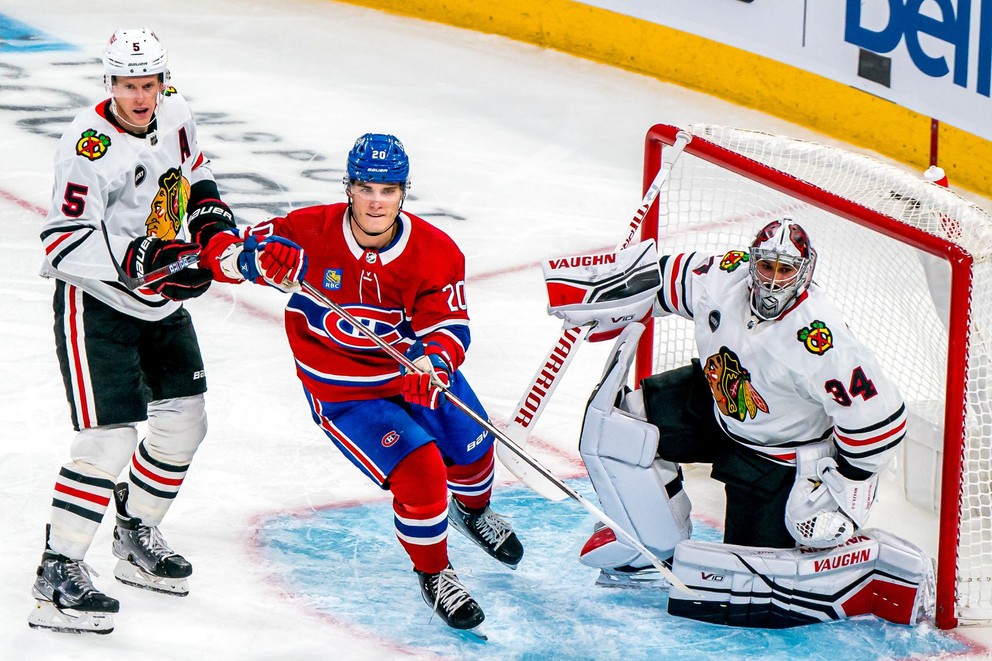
(797, 419)
(127, 173)
(405, 279)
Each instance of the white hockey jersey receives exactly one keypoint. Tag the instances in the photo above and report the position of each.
(138, 186)
(789, 382)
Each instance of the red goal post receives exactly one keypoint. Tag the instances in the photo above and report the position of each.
(910, 265)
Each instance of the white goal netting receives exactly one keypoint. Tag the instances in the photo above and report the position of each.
(890, 245)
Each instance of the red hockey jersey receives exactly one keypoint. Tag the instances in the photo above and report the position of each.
(411, 289)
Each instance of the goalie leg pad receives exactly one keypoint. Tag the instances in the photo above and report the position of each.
(637, 490)
(876, 572)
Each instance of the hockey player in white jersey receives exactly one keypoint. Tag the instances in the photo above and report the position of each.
(127, 173)
(780, 381)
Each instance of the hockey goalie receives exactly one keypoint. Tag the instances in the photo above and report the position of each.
(793, 413)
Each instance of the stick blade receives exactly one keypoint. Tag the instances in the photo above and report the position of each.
(526, 474)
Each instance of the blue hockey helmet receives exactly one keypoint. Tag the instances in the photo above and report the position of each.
(380, 158)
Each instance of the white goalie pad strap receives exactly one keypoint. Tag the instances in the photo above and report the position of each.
(824, 507)
(875, 572)
(638, 491)
(610, 290)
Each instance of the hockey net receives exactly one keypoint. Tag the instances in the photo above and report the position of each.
(908, 262)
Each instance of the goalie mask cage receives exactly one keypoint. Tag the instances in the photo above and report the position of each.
(910, 265)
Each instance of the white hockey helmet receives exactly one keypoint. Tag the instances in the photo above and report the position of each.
(134, 52)
(781, 263)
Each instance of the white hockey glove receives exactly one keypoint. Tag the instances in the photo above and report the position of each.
(824, 507)
(607, 291)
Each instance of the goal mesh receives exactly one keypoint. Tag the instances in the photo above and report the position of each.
(908, 262)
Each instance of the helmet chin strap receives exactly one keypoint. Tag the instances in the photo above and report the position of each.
(354, 219)
(142, 128)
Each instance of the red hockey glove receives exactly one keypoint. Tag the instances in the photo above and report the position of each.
(422, 388)
(275, 261)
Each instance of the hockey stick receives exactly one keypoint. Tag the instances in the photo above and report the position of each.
(183, 262)
(533, 464)
(548, 376)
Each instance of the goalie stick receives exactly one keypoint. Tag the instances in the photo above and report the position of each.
(549, 374)
(533, 464)
(183, 262)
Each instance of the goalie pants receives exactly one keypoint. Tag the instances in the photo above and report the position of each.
(680, 404)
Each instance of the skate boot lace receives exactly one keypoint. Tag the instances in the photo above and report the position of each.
(493, 528)
(449, 591)
(80, 574)
(152, 541)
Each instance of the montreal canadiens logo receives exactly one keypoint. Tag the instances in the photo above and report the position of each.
(384, 323)
(390, 439)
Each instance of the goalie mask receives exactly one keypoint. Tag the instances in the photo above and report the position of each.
(781, 267)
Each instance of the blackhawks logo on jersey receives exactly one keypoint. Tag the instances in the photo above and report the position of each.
(731, 386)
(733, 259)
(817, 338)
(169, 205)
(92, 145)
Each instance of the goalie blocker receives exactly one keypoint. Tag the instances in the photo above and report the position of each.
(607, 291)
(875, 573)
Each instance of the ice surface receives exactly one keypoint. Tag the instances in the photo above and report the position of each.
(520, 154)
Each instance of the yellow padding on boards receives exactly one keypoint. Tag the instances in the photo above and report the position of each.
(724, 71)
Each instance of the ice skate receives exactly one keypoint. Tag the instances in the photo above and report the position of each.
(643, 578)
(489, 530)
(603, 551)
(445, 593)
(146, 561)
(66, 599)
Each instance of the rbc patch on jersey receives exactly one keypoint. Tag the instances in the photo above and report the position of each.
(332, 279)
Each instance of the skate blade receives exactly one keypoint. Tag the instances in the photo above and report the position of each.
(642, 580)
(475, 634)
(135, 576)
(47, 615)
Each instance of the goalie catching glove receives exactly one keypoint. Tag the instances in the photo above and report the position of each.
(422, 388)
(824, 507)
(606, 291)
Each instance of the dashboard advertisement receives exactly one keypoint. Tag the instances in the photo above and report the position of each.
(931, 56)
